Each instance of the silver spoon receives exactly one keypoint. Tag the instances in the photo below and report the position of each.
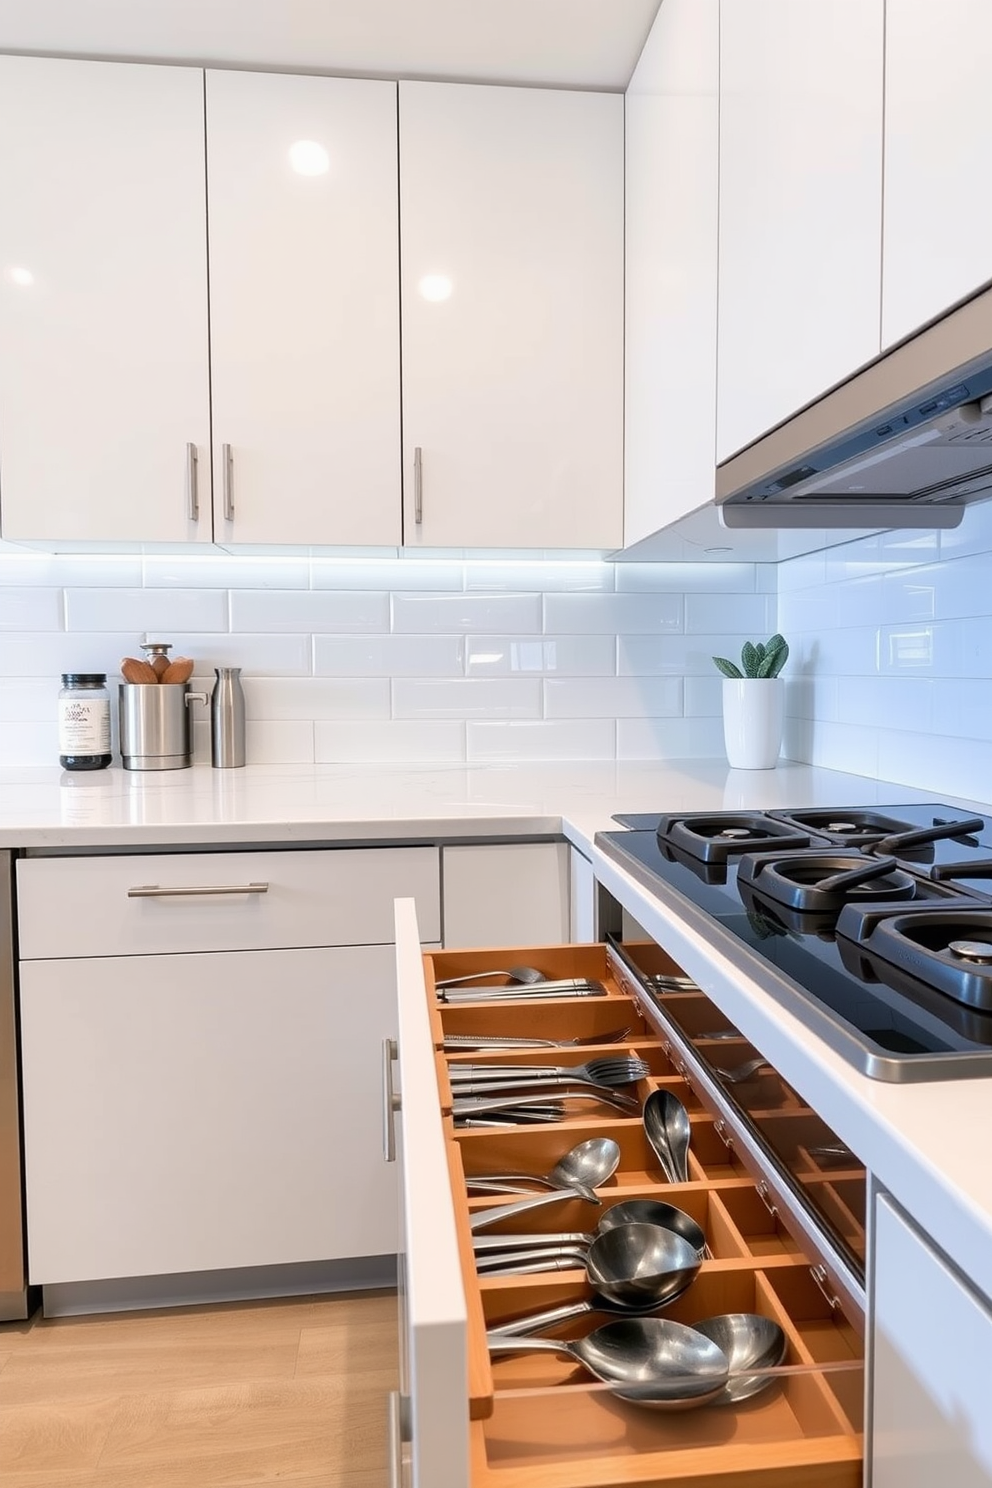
(522, 975)
(653, 1362)
(631, 1211)
(666, 1126)
(635, 1267)
(586, 1165)
(750, 1341)
(489, 1217)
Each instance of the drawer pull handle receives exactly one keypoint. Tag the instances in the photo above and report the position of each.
(155, 891)
(822, 1278)
(765, 1195)
(390, 1100)
(399, 1432)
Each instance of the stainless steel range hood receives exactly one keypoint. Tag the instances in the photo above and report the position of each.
(906, 442)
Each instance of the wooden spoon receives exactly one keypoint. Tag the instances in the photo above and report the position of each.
(159, 664)
(137, 671)
(180, 669)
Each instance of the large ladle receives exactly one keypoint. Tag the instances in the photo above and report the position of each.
(634, 1268)
(666, 1126)
(750, 1341)
(586, 1165)
(653, 1362)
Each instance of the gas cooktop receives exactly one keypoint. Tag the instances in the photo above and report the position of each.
(873, 925)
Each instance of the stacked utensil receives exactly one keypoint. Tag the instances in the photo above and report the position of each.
(507, 1090)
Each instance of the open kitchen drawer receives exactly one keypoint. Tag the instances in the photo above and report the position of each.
(537, 1420)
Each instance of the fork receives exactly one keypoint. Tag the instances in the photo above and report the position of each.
(611, 1069)
(455, 1043)
(743, 1072)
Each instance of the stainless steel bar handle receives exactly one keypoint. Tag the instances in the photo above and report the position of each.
(418, 486)
(227, 460)
(154, 891)
(390, 1100)
(397, 1436)
(192, 493)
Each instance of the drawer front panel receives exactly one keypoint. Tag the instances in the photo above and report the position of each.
(336, 896)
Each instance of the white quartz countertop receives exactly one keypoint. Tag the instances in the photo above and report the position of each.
(45, 807)
(926, 1143)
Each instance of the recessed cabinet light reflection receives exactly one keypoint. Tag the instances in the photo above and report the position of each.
(19, 275)
(435, 287)
(309, 159)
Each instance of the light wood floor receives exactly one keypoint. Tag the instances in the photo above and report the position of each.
(282, 1392)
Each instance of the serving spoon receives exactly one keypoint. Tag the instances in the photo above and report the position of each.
(586, 1165)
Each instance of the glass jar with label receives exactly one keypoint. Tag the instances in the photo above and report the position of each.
(84, 721)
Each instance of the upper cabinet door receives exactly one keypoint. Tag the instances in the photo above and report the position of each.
(511, 204)
(672, 168)
(938, 209)
(104, 399)
(304, 308)
(800, 205)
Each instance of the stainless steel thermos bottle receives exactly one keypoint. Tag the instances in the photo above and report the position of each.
(227, 719)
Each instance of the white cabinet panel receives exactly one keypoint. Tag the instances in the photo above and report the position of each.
(192, 1113)
(672, 170)
(340, 896)
(582, 899)
(511, 203)
(800, 205)
(304, 307)
(513, 893)
(932, 1344)
(103, 301)
(937, 244)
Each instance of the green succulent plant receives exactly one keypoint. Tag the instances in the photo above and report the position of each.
(758, 659)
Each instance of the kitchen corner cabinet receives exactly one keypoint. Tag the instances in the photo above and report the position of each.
(932, 1343)
(201, 1063)
(499, 891)
(938, 218)
(104, 390)
(511, 204)
(672, 176)
(800, 205)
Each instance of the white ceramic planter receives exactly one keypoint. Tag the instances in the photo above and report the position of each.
(753, 709)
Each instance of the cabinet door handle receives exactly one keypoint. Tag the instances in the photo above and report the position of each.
(227, 461)
(418, 486)
(192, 493)
(154, 891)
(398, 1434)
(390, 1100)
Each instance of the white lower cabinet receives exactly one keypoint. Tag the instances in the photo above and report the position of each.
(932, 1345)
(510, 891)
(202, 1112)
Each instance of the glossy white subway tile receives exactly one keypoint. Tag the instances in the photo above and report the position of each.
(815, 608)
(752, 616)
(627, 614)
(49, 653)
(225, 571)
(810, 696)
(962, 587)
(258, 655)
(702, 697)
(453, 614)
(845, 746)
(550, 739)
(539, 577)
(853, 560)
(399, 741)
(806, 572)
(936, 762)
(25, 741)
(466, 697)
(24, 609)
(669, 738)
(308, 610)
(271, 741)
(613, 697)
(70, 570)
(298, 698)
(157, 612)
(563, 655)
(386, 574)
(853, 652)
(29, 699)
(675, 656)
(687, 578)
(963, 710)
(388, 656)
(907, 594)
(894, 702)
(858, 602)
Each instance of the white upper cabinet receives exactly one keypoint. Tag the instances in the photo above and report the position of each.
(511, 202)
(672, 168)
(304, 308)
(938, 209)
(800, 204)
(104, 397)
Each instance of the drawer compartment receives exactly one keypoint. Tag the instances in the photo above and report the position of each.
(336, 896)
(538, 1419)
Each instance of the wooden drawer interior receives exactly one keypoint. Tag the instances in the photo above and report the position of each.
(539, 1421)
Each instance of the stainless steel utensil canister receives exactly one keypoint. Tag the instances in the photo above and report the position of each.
(156, 732)
(227, 720)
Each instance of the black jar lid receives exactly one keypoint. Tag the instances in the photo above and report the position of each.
(84, 679)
